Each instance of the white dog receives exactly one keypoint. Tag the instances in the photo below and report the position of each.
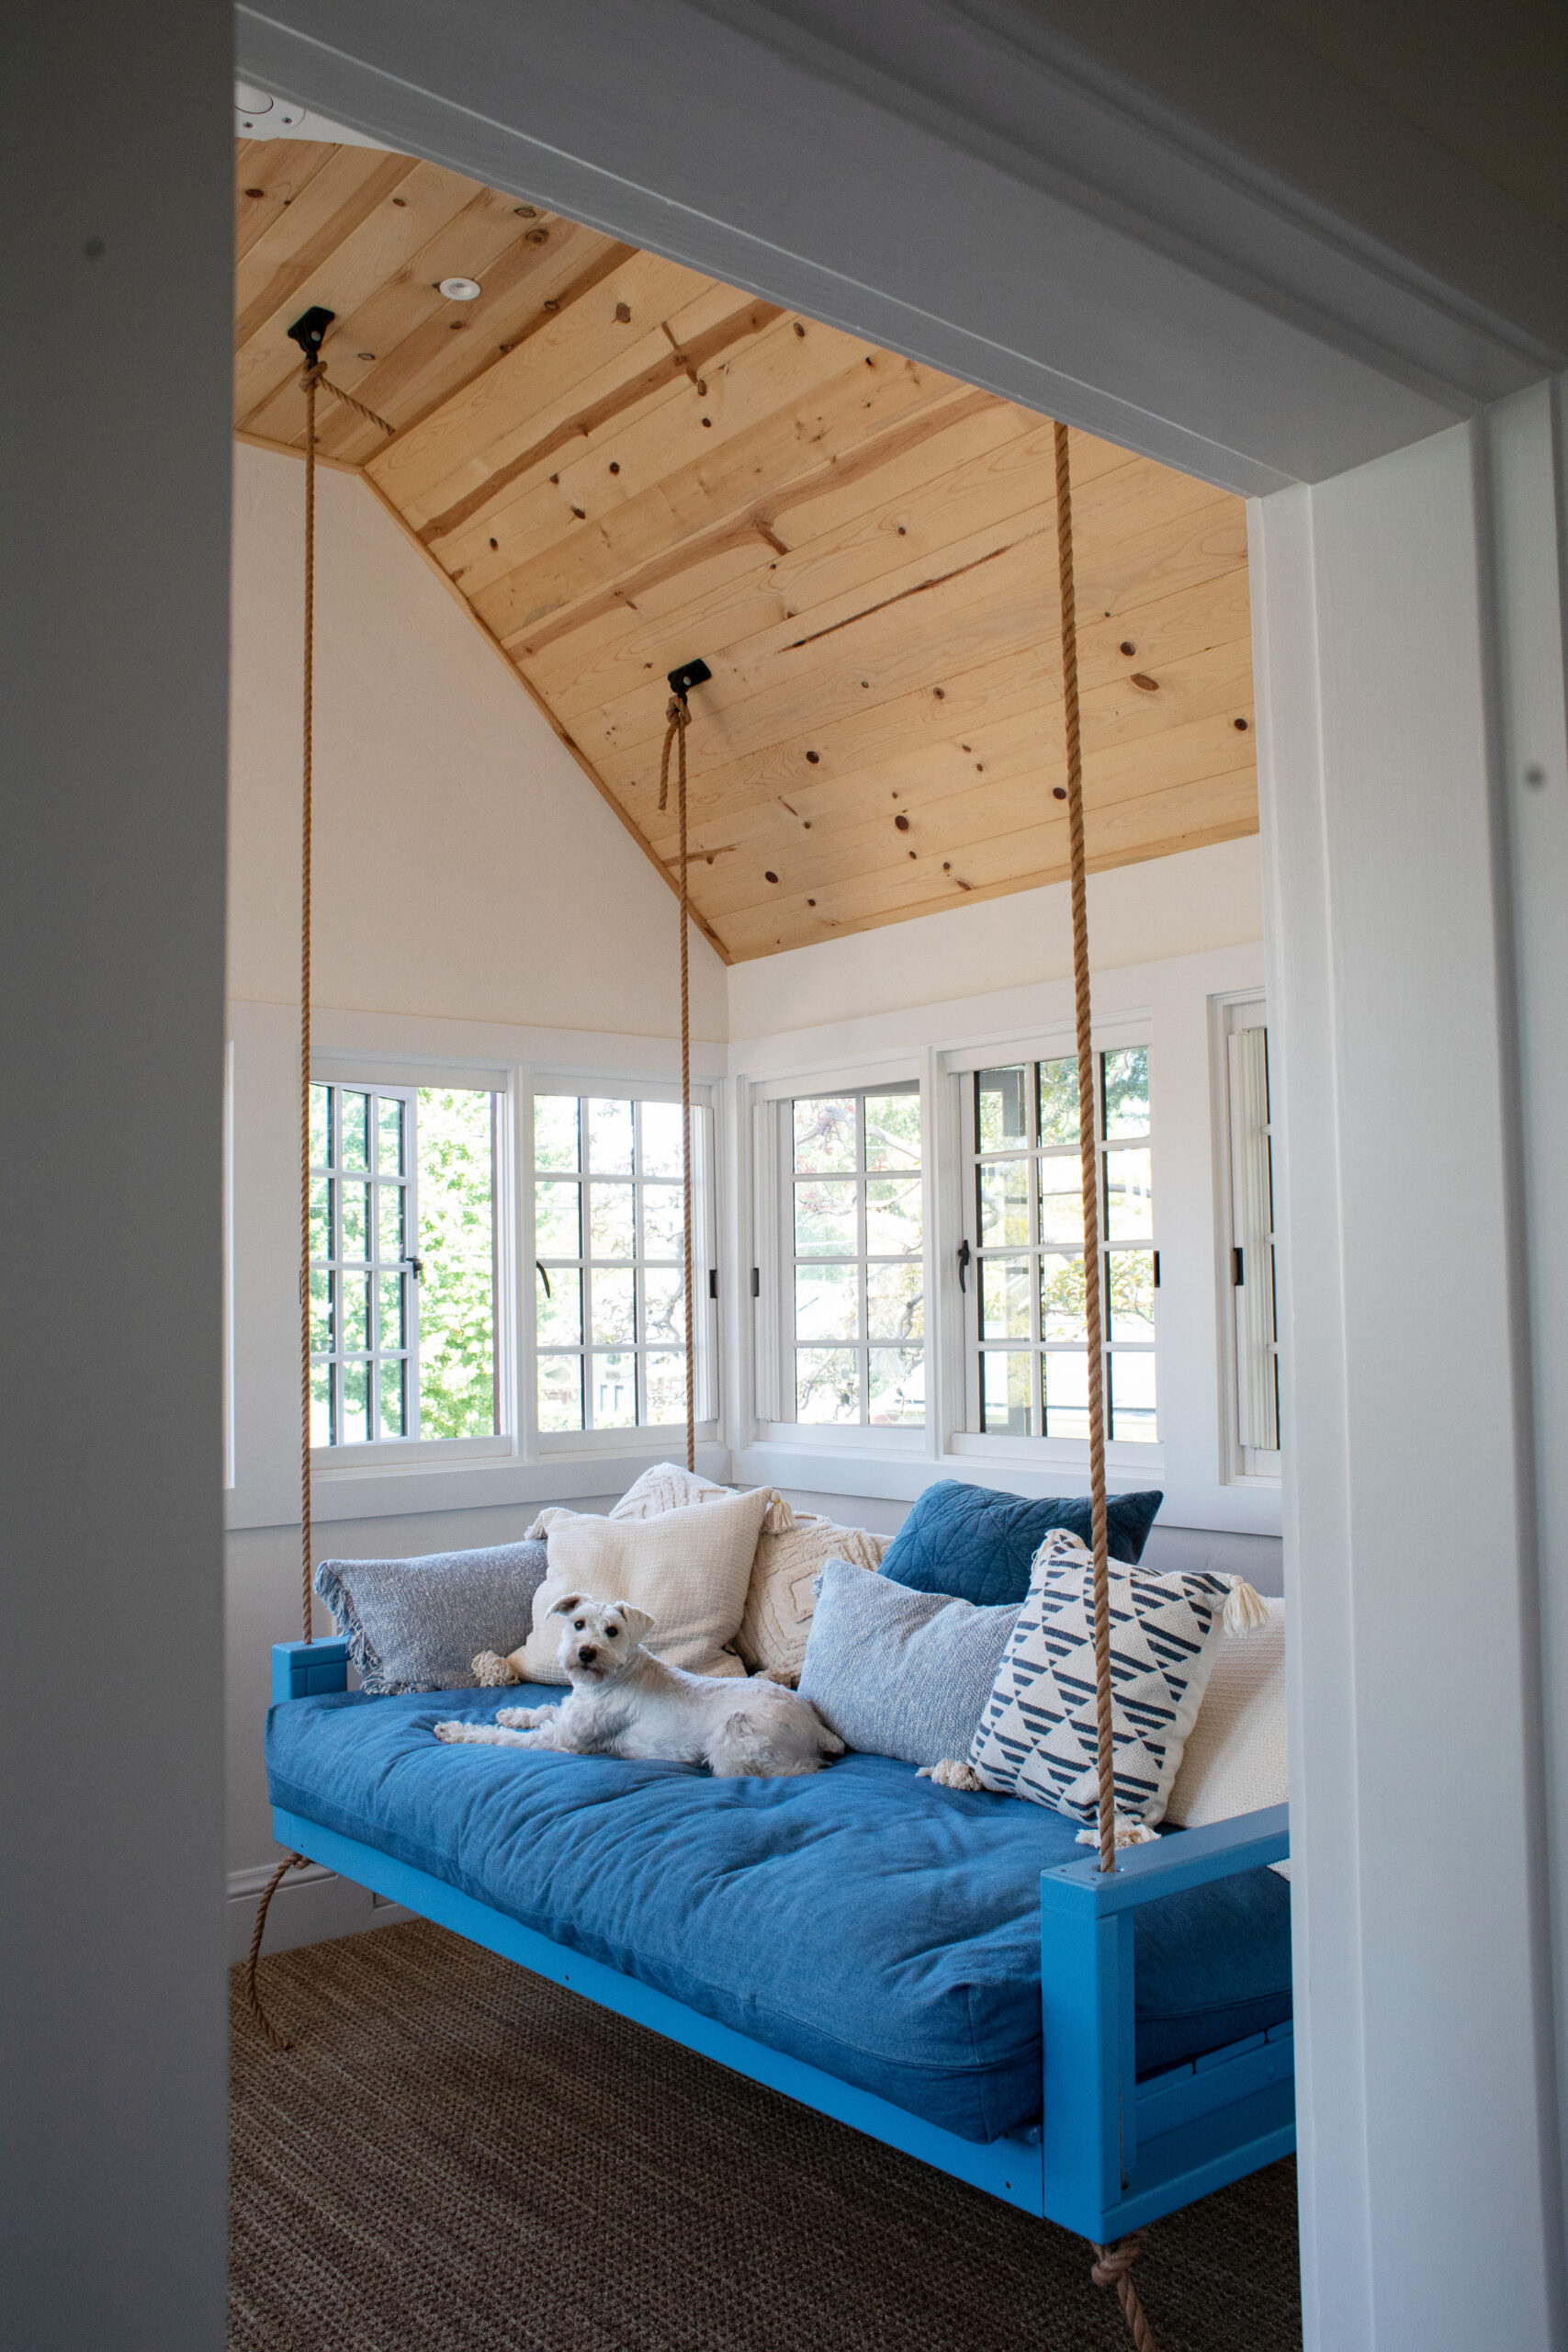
(625, 1701)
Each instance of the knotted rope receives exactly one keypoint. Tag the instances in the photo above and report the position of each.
(680, 717)
(1114, 2263)
(1114, 2268)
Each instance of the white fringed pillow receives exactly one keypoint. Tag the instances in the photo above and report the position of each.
(667, 1487)
(1237, 1758)
(781, 1601)
(1037, 1737)
(689, 1568)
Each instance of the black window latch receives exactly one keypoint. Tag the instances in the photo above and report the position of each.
(756, 1282)
(964, 1253)
(543, 1278)
(1238, 1276)
(713, 1281)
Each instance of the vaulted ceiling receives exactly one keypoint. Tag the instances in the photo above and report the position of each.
(618, 465)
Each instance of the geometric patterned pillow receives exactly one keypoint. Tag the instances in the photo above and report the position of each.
(1037, 1736)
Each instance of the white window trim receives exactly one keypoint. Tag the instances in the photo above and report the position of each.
(707, 1175)
(772, 1322)
(1241, 1465)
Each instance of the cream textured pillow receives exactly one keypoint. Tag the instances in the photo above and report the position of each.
(1235, 1760)
(689, 1568)
(782, 1597)
(667, 1487)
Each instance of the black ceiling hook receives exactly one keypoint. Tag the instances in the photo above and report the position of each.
(689, 675)
(309, 332)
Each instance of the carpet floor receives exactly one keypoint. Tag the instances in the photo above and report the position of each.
(458, 2157)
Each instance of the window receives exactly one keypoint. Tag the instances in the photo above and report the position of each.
(1252, 1252)
(857, 1274)
(1028, 1311)
(402, 1263)
(610, 1310)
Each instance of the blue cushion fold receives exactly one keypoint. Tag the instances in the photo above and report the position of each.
(976, 1544)
(859, 1918)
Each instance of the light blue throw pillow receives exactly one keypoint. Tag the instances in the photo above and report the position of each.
(901, 1673)
(416, 1624)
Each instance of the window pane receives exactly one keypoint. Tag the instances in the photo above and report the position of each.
(615, 1308)
(558, 1220)
(610, 1230)
(610, 1138)
(560, 1392)
(827, 1385)
(1133, 1396)
(1131, 1294)
(825, 1133)
(1004, 1205)
(999, 1108)
(1061, 1200)
(1006, 1378)
(356, 1404)
(555, 1131)
(664, 1304)
(357, 1221)
(895, 1304)
(394, 1328)
(1126, 1097)
(660, 1140)
(321, 1429)
(390, 1121)
(824, 1222)
(1059, 1101)
(1129, 1210)
(558, 1306)
(664, 1380)
(320, 1126)
(892, 1131)
(898, 1386)
(614, 1391)
(1063, 1314)
(827, 1302)
(1004, 1298)
(322, 1217)
(320, 1311)
(893, 1214)
(1066, 1395)
(354, 1295)
(390, 1198)
(356, 1130)
(663, 1221)
(391, 1386)
(456, 1241)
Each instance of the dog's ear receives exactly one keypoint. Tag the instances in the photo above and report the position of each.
(566, 1603)
(640, 1624)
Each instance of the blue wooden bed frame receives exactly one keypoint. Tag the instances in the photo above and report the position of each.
(1110, 2155)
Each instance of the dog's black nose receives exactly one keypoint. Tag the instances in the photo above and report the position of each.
(587, 1654)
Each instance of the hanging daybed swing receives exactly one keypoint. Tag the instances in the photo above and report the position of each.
(1115, 2149)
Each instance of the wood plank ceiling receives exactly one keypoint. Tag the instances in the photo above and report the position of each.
(620, 464)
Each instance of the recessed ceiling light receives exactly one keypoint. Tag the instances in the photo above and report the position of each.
(460, 290)
(258, 110)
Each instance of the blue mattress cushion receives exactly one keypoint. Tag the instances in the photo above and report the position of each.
(977, 1544)
(858, 1918)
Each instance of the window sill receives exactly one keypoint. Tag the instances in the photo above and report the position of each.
(575, 1474)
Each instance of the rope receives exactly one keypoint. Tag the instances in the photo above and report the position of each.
(289, 1862)
(1114, 2268)
(320, 373)
(312, 378)
(1114, 2263)
(1089, 1149)
(680, 719)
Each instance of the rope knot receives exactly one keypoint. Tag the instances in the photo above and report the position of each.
(1114, 2261)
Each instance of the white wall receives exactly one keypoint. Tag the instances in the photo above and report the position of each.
(464, 867)
(1395, 800)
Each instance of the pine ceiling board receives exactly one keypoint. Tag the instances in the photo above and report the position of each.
(616, 464)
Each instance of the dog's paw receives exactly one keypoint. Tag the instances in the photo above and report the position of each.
(951, 1774)
(491, 1671)
(520, 1718)
(449, 1731)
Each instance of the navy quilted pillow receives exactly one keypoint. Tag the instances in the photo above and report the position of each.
(978, 1544)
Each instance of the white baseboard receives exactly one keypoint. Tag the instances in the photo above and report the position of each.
(311, 1906)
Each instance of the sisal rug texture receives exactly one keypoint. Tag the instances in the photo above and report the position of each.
(458, 2157)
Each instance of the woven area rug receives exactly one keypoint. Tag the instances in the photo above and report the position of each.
(458, 2157)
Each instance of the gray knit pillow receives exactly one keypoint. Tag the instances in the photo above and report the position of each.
(417, 1624)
